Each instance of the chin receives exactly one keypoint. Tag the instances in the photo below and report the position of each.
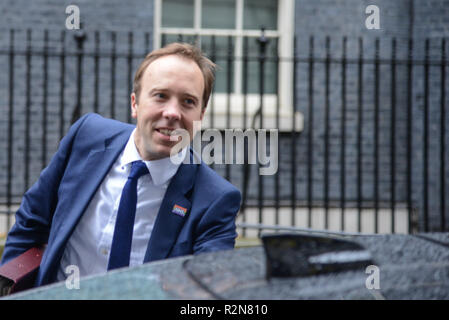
(160, 152)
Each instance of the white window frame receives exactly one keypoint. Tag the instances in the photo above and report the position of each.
(285, 34)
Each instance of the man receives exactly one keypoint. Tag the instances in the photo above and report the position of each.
(112, 197)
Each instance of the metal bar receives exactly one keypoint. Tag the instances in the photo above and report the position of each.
(326, 134)
(61, 87)
(393, 135)
(359, 136)
(293, 133)
(426, 139)
(229, 92)
(245, 168)
(27, 112)
(443, 136)
(10, 128)
(163, 40)
(343, 138)
(376, 136)
(212, 99)
(349, 61)
(112, 102)
(245, 81)
(310, 133)
(263, 41)
(212, 102)
(218, 32)
(80, 36)
(130, 72)
(44, 102)
(276, 182)
(262, 47)
(409, 132)
(195, 40)
(229, 61)
(147, 42)
(96, 71)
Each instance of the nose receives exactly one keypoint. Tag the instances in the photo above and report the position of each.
(172, 110)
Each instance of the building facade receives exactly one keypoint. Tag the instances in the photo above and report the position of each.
(361, 120)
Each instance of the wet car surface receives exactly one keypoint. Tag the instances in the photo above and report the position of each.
(409, 267)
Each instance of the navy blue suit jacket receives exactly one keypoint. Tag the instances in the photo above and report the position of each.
(52, 207)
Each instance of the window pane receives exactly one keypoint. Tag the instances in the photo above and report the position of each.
(218, 14)
(219, 50)
(177, 13)
(251, 80)
(258, 13)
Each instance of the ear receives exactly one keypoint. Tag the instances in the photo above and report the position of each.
(203, 110)
(133, 105)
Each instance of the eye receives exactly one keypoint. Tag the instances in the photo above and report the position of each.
(189, 102)
(160, 95)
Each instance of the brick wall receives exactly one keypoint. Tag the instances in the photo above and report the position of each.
(399, 19)
(431, 21)
(320, 18)
(109, 17)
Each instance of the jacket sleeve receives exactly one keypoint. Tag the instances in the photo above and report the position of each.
(216, 229)
(34, 216)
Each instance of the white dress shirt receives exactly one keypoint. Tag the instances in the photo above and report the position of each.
(89, 246)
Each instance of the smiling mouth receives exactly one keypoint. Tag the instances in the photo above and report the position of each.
(166, 132)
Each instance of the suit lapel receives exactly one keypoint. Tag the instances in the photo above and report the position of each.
(97, 166)
(168, 223)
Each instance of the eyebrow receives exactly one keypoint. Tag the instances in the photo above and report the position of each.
(186, 94)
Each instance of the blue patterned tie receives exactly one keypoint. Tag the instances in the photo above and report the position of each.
(123, 231)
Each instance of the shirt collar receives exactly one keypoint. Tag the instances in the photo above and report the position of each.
(161, 170)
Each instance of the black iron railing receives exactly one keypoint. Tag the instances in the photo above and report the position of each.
(374, 135)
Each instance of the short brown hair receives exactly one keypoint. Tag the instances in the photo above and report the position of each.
(185, 50)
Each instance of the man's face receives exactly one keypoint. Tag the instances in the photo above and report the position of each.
(170, 98)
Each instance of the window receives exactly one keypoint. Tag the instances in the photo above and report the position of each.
(230, 28)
